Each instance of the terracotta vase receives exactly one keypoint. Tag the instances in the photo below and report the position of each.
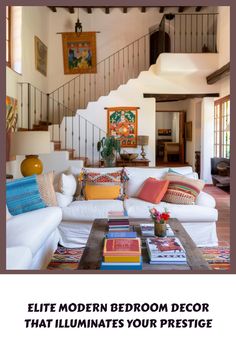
(160, 229)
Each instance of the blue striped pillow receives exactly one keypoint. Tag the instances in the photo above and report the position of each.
(22, 195)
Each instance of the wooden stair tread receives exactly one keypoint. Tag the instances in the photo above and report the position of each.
(43, 122)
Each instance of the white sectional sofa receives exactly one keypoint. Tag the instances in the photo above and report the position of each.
(199, 220)
(32, 238)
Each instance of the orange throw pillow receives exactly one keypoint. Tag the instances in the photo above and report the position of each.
(153, 190)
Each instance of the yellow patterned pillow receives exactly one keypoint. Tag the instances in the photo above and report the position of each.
(101, 192)
(102, 185)
(46, 188)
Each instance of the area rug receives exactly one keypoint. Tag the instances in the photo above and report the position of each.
(68, 258)
(217, 257)
(65, 258)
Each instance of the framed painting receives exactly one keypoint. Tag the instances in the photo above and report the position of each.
(122, 123)
(79, 52)
(188, 131)
(41, 53)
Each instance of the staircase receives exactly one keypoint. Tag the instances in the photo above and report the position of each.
(74, 113)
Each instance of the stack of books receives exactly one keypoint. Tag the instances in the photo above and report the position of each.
(166, 250)
(122, 254)
(118, 221)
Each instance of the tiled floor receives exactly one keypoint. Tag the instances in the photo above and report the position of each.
(223, 206)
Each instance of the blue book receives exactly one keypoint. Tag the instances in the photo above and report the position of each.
(129, 234)
(121, 266)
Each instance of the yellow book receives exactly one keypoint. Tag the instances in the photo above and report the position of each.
(120, 259)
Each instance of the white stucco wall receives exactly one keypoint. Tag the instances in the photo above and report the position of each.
(34, 23)
(223, 36)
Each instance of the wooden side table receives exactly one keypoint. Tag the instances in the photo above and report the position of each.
(132, 163)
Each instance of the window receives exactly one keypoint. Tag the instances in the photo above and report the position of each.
(222, 128)
(13, 37)
(8, 35)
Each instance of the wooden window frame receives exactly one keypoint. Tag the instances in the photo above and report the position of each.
(8, 42)
(219, 128)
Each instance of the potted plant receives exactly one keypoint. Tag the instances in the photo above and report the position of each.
(108, 146)
(160, 220)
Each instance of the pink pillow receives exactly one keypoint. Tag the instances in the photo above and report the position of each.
(153, 190)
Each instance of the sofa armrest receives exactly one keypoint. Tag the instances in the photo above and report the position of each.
(205, 199)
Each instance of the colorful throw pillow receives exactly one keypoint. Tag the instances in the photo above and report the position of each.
(46, 188)
(22, 195)
(102, 185)
(193, 175)
(93, 192)
(153, 190)
(182, 190)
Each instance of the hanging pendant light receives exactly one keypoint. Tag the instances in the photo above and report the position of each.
(78, 26)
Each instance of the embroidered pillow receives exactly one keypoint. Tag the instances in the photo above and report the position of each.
(182, 190)
(22, 195)
(46, 188)
(153, 190)
(102, 185)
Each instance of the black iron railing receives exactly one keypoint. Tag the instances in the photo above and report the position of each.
(189, 33)
(68, 129)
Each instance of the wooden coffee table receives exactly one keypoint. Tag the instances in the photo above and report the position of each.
(92, 255)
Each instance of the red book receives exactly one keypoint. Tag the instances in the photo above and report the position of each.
(122, 247)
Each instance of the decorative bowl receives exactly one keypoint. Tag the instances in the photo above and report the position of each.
(128, 157)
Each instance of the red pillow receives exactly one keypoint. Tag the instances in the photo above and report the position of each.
(153, 190)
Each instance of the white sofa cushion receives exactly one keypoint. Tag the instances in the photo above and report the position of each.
(32, 229)
(89, 210)
(205, 199)
(137, 177)
(137, 208)
(18, 258)
(63, 200)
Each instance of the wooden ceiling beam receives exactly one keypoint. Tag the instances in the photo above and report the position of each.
(125, 9)
(218, 74)
(107, 10)
(178, 97)
(143, 9)
(71, 9)
(53, 8)
(89, 10)
(181, 9)
(161, 9)
(198, 8)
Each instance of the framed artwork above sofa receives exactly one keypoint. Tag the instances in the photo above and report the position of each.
(122, 123)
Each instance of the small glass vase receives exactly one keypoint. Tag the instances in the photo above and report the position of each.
(159, 229)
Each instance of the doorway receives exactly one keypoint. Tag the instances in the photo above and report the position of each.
(157, 46)
(170, 138)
